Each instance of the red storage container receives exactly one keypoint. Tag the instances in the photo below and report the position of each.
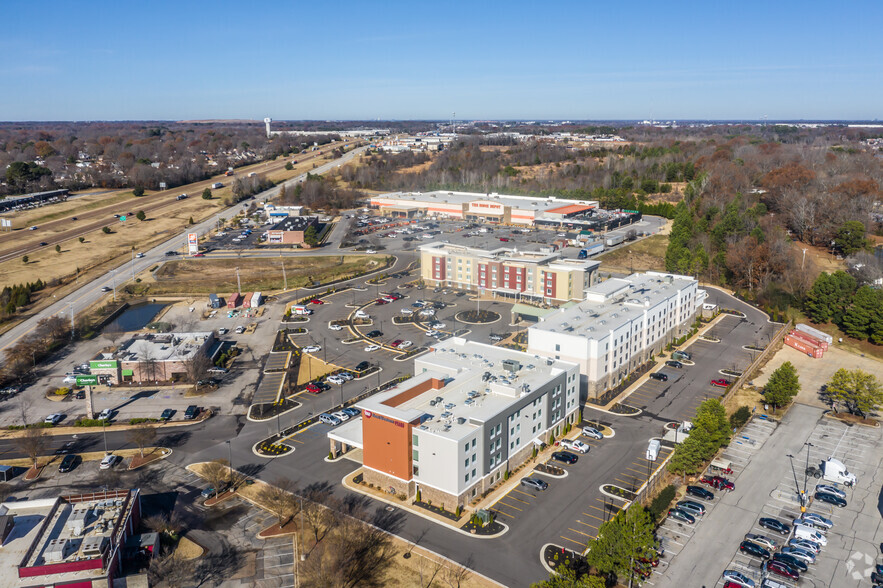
(233, 300)
(810, 339)
(804, 346)
(246, 301)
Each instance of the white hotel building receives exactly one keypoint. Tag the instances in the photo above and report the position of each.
(619, 326)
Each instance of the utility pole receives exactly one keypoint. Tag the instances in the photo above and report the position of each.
(284, 277)
(71, 306)
(113, 273)
(238, 282)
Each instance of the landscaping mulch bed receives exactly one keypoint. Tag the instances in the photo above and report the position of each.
(267, 411)
(219, 498)
(478, 317)
(33, 473)
(491, 528)
(732, 373)
(272, 449)
(439, 511)
(277, 530)
(623, 409)
(138, 461)
(558, 556)
(620, 492)
(853, 419)
(550, 469)
(282, 343)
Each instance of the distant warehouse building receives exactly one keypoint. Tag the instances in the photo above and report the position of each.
(471, 413)
(290, 230)
(508, 272)
(621, 323)
(470, 206)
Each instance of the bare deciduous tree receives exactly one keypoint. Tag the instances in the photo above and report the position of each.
(142, 436)
(279, 498)
(32, 443)
(217, 473)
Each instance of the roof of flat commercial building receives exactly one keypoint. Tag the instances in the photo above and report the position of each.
(613, 303)
(511, 255)
(535, 203)
(294, 223)
(163, 346)
(464, 384)
(570, 209)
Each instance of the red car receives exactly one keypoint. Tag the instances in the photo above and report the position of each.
(720, 383)
(782, 569)
(718, 482)
(380, 302)
(311, 387)
(396, 343)
(198, 255)
(316, 301)
(654, 562)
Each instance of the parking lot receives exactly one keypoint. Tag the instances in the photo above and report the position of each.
(766, 486)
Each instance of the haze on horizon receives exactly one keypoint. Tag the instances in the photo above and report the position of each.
(357, 61)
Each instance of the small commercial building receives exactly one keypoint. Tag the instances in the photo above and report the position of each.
(620, 324)
(75, 541)
(160, 357)
(470, 413)
(290, 230)
(507, 272)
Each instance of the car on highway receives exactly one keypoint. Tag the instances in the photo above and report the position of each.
(171, 253)
(790, 561)
(108, 461)
(827, 488)
(191, 412)
(565, 457)
(659, 376)
(43, 243)
(774, 525)
(105, 288)
(139, 255)
(54, 418)
(592, 433)
(681, 515)
(167, 414)
(700, 492)
(738, 578)
(534, 483)
(720, 382)
(334, 327)
(574, 445)
(372, 348)
(691, 506)
(69, 462)
(370, 251)
(66, 448)
(329, 419)
(830, 499)
(816, 519)
(33, 228)
(781, 569)
(312, 348)
(754, 549)
(674, 364)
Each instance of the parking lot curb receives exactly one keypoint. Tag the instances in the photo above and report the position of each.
(252, 420)
(543, 559)
(254, 449)
(354, 488)
(614, 496)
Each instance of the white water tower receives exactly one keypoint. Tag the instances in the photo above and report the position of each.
(267, 122)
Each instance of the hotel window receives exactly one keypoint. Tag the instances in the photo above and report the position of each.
(473, 458)
(473, 443)
(415, 440)
(466, 463)
(466, 478)
(415, 455)
(466, 447)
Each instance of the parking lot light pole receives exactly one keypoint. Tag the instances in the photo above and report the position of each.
(805, 475)
(800, 495)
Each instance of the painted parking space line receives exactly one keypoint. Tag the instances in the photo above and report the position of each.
(588, 524)
(500, 502)
(580, 533)
(583, 545)
(505, 514)
(510, 497)
(523, 492)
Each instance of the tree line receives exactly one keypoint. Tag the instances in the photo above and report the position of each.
(839, 299)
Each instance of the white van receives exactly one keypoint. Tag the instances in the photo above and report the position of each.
(653, 450)
(814, 535)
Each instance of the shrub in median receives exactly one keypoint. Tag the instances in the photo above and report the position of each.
(90, 423)
(660, 504)
(62, 391)
(740, 417)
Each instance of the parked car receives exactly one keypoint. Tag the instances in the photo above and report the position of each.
(659, 376)
(816, 519)
(317, 301)
(312, 348)
(54, 418)
(830, 499)
(761, 540)
(432, 333)
(404, 344)
(739, 578)
(720, 382)
(592, 433)
(577, 446)
(691, 506)
(565, 457)
(313, 388)
(774, 525)
(69, 462)
(790, 561)
(781, 569)
(674, 364)
(334, 327)
(681, 515)
(363, 365)
(700, 492)
(718, 482)
(167, 414)
(341, 416)
(372, 347)
(534, 483)
(329, 419)
(335, 380)
(754, 549)
(353, 412)
(805, 554)
(347, 376)
(191, 412)
(828, 489)
(374, 333)
(362, 314)
(108, 462)
(436, 325)
(105, 414)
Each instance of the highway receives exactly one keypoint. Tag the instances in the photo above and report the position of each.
(91, 293)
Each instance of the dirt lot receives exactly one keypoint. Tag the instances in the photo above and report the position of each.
(646, 254)
(256, 274)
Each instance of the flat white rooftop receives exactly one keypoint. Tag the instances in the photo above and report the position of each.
(535, 203)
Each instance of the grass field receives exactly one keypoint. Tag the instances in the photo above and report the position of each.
(646, 254)
(209, 275)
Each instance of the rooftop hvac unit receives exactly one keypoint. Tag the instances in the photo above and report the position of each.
(438, 399)
(56, 550)
(432, 403)
(461, 420)
(93, 546)
(511, 365)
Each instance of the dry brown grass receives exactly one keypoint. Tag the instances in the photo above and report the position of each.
(187, 549)
(646, 254)
(313, 367)
(207, 275)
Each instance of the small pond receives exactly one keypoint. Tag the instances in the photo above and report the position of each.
(136, 317)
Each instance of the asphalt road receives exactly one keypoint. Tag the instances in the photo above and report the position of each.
(91, 293)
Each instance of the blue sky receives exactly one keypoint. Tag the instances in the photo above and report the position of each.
(160, 60)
